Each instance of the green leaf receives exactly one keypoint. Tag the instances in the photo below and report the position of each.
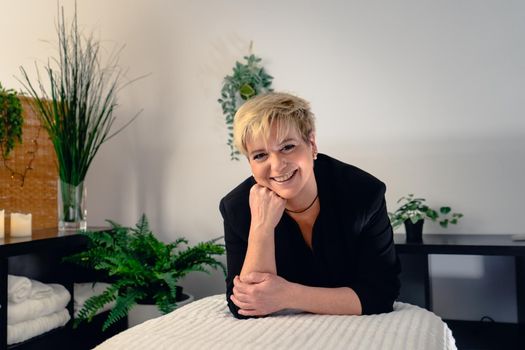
(246, 91)
(122, 306)
(95, 303)
(444, 210)
(432, 214)
(415, 219)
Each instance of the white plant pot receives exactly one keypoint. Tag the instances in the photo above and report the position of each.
(143, 312)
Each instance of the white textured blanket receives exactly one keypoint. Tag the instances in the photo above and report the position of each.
(208, 324)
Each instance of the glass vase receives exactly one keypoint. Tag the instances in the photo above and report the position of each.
(72, 213)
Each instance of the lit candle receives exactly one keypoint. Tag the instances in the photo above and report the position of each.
(20, 225)
(2, 213)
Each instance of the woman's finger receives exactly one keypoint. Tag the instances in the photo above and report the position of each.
(249, 312)
(241, 286)
(240, 293)
(241, 304)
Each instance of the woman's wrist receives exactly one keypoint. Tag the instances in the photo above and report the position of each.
(293, 295)
(319, 300)
(261, 231)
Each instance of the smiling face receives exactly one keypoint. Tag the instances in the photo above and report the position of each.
(284, 164)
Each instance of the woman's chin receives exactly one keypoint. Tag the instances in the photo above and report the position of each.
(285, 194)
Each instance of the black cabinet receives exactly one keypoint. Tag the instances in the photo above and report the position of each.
(416, 283)
(40, 257)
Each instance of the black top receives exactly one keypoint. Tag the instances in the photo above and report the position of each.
(352, 240)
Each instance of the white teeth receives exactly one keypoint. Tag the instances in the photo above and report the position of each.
(284, 177)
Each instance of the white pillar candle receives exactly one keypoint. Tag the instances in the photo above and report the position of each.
(2, 214)
(20, 225)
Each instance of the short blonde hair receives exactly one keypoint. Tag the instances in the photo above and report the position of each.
(257, 115)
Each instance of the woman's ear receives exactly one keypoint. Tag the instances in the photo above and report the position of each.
(313, 144)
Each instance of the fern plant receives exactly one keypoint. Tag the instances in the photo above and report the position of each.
(248, 80)
(142, 268)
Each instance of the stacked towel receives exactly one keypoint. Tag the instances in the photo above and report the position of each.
(21, 288)
(40, 290)
(22, 331)
(18, 288)
(84, 291)
(34, 308)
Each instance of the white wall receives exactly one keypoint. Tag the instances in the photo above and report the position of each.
(428, 96)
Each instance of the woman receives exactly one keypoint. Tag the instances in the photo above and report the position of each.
(306, 231)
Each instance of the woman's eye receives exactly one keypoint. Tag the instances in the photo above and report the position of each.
(288, 148)
(259, 156)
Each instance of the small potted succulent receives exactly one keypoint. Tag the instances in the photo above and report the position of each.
(413, 212)
(141, 269)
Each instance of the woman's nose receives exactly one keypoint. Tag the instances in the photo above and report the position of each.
(278, 162)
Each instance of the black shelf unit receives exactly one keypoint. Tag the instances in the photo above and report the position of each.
(416, 284)
(40, 257)
(479, 335)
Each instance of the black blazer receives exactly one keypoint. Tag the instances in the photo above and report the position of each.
(352, 240)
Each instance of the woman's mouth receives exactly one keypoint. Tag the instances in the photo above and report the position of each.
(284, 177)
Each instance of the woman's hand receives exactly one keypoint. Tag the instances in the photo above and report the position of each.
(260, 294)
(266, 207)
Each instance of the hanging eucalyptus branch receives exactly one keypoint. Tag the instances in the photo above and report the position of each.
(248, 79)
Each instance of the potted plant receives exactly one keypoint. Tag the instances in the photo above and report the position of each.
(141, 268)
(413, 212)
(11, 121)
(77, 111)
(248, 80)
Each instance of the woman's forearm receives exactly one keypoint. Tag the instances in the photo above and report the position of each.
(330, 301)
(260, 255)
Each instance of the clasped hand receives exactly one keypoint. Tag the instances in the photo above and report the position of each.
(259, 294)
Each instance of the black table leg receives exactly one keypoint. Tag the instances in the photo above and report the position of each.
(415, 280)
(520, 289)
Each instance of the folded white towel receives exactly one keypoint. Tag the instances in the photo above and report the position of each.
(18, 288)
(84, 291)
(35, 308)
(22, 331)
(40, 290)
